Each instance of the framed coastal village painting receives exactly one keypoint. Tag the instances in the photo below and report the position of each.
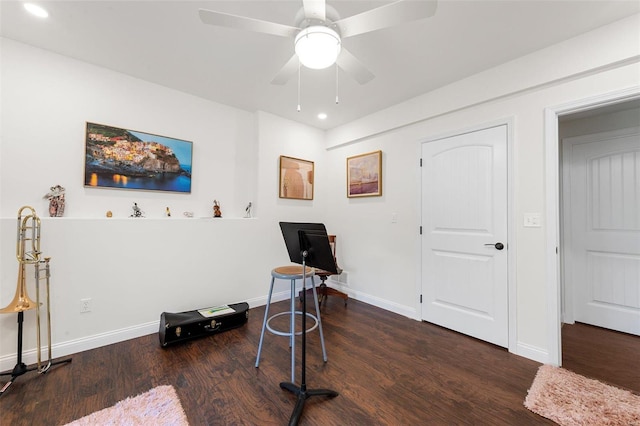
(129, 159)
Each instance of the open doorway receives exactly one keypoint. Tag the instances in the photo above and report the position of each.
(599, 168)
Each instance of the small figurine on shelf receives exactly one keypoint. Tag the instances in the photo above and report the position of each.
(168, 212)
(136, 211)
(216, 209)
(248, 210)
(56, 201)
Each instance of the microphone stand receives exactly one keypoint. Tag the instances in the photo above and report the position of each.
(301, 391)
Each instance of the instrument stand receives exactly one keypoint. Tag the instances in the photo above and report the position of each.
(21, 368)
(304, 239)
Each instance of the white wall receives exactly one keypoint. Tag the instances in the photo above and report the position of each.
(47, 99)
(384, 258)
(134, 269)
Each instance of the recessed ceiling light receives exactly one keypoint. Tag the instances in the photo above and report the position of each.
(36, 10)
(322, 116)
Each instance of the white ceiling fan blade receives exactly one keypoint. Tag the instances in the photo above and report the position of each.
(315, 9)
(221, 19)
(287, 71)
(387, 16)
(352, 66)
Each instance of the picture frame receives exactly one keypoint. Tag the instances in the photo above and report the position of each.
(364, 175)
(296, 178)
(120, 158)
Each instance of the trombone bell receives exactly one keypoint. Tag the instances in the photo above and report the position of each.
(21, 301)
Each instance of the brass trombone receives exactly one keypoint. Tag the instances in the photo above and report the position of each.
(28, 253)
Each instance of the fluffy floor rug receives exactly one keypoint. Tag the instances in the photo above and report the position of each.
(159, 406)
(570, 399)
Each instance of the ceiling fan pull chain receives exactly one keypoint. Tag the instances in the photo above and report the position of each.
(337, 100)
(299, 85)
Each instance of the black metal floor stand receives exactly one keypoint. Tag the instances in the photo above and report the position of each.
(21, 368)
(301, 391)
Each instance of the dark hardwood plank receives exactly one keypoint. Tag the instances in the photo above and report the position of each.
(388, 369)
(602, 354)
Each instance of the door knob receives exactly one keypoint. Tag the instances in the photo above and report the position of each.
(498, 246)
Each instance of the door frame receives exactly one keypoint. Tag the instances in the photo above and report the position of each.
(510, 242)
(553, 203)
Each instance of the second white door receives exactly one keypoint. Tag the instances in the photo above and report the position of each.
(602, 229)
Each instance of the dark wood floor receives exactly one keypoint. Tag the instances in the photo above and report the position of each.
(602, 354)
(388, 370)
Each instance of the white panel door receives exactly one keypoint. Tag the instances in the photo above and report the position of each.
(602, 216)
(464, 224)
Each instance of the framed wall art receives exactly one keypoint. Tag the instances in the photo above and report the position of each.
(296, 178)
(128, 159)
(364, 175)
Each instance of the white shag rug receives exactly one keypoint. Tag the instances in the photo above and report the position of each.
(158, 407)
(570, 399)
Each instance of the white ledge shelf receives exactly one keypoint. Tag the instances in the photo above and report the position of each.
(167, 219)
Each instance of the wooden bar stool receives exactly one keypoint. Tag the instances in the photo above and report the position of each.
(292, 273)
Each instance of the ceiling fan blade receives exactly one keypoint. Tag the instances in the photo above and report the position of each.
(386, 16)
(352, 66)
(221, 19)
(287, 71)
(315, 9)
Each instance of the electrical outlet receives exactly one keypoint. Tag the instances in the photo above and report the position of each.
(85, 305)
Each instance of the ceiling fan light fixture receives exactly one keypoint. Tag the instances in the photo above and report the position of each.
(317, 47)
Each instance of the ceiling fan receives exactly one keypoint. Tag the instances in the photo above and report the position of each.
(318, 36)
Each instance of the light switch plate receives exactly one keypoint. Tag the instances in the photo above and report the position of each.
(532, 220)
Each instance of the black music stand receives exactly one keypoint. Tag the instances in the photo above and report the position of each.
(308, 245)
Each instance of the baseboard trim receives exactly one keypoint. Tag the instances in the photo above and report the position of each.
(532, 352)
(397, 308)
(70, 347)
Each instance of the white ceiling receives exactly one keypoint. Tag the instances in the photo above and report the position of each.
(165, 42)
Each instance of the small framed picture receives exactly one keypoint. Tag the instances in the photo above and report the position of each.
(364, 175)
(296, 178)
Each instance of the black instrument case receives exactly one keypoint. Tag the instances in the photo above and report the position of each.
(179, 327)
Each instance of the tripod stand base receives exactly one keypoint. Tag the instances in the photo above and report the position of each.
(21, 368)
(303, 394)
